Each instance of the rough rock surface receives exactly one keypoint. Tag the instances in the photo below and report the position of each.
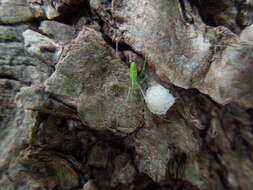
(69, 121)
(52, 28)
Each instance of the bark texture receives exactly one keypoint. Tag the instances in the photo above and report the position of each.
(67, 121)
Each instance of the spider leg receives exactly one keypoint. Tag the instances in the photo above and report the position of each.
(142, 92)
(128, 93)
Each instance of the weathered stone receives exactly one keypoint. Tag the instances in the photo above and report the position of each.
(48, 170)
(18, 13)
(96, 4)
(13, 53)
(90, 185)
(17, 69)
(192, 173)
(59, 31)
(230, 79)
(51, 12)
(11, 34)
(124, 171)
(40, 45)
(31, 98)
(35, 98)
(99, 155)
(10, 128)
(184, 64)
(35, 1)
(76, 57)
(220, 13)
(245, 16)
(175, 61)
(17, 64)
(100, 102)
(54, 9)
(21, 2)
(21, 183)
(155, 145)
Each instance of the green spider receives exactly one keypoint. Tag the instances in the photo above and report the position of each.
(134, 85)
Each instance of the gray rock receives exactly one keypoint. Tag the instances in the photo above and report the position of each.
(155, 145)
(40, 45)
(59, 31)
(17, 64)
(51, 12)
(55, 8)
(230, 79)
(9, 128)
(185, 62)
(35, 1)
(35, 98)
(13, 132)
(11, 34)
(23, 183)
(124, 171)
(11, 13)
(168, 56)
(56, 166)
(192, 173)
(13, 53)
(90, 185)
(101, 105)
(99, 155)
(17, 69)
(31, 98)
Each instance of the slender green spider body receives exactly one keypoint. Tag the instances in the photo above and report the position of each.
(133, 75)
(134, 85)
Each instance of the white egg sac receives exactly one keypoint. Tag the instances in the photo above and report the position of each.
(159, 99)
(247, 34)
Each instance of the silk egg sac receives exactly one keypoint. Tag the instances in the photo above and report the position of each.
(159, 99)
